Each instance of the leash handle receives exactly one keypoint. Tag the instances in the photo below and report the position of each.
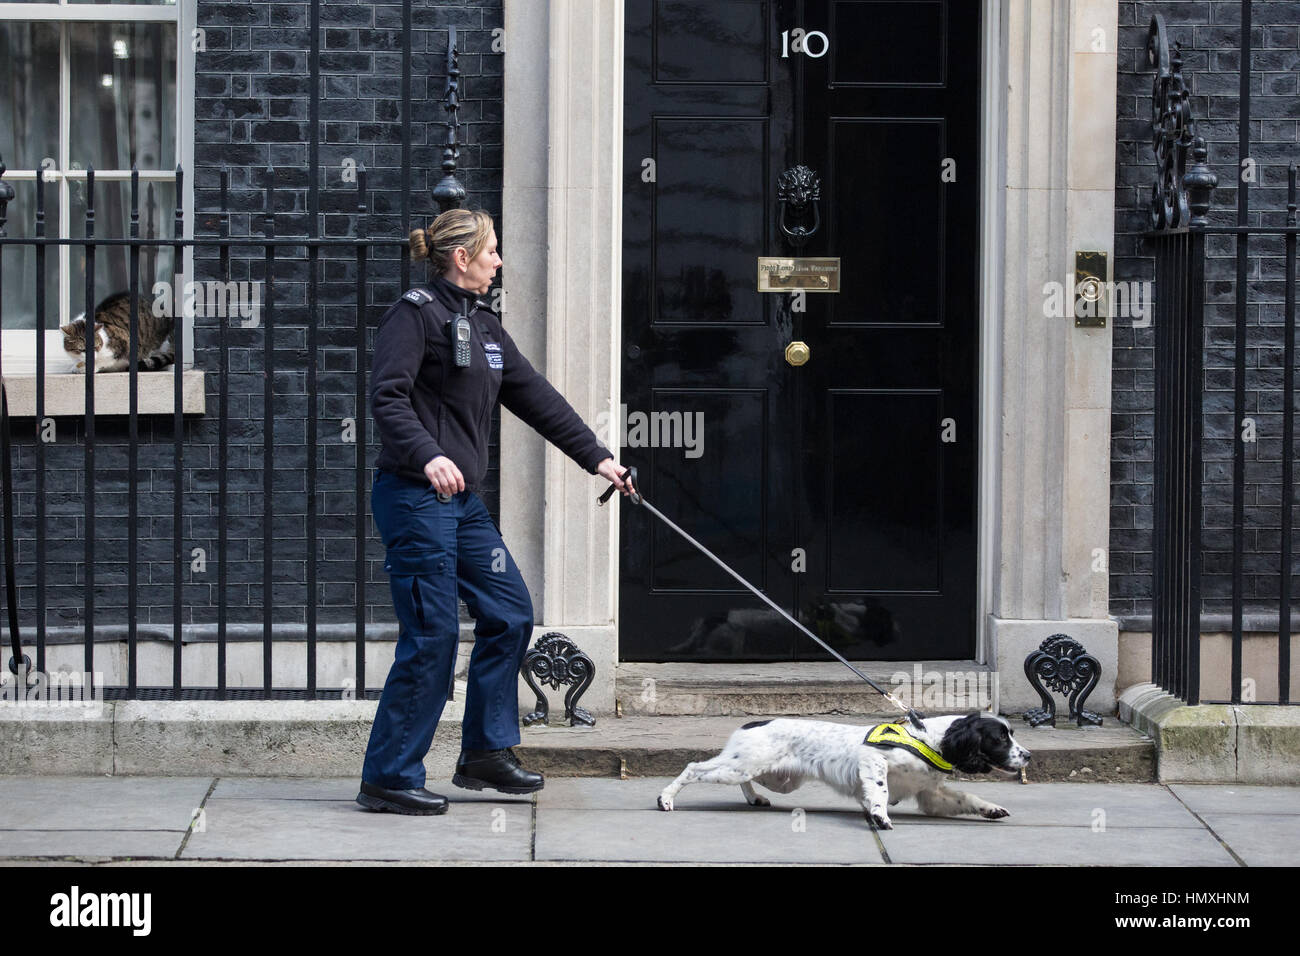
(635, 495)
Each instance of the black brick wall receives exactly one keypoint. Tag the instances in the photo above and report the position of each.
(252, 89)
(1210, 35)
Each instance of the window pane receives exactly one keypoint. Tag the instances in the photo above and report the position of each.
(29, 93)
(112, 220)
(123, 95)
(19, 262)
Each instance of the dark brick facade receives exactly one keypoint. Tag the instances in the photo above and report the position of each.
(1210, 35)
(252, 93)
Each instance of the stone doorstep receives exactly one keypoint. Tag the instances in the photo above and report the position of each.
(656, 746)
(328, 738)
(1216, 743)
(794, 689)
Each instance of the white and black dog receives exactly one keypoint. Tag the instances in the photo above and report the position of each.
(779, 754)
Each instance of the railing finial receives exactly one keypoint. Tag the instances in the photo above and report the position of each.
(1199, 181)
(6, 197)
(1180, 195)
(449, 193)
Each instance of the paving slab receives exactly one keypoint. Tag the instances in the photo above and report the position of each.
(984, 842)
(1238, 798)
(641, 793)
(1046, 804)
(100, 803)
(346, 789)
(704, 836)
(1260, 839)
(1070, 805)
(281, 828)
(90, 844)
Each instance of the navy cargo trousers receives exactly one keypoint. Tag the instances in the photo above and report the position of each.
(436, 552)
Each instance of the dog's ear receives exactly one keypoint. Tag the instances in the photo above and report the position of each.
(961, 745)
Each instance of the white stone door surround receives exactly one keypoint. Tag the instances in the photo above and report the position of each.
(1048, 190)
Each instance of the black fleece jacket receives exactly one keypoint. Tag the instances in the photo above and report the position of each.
(424, 406)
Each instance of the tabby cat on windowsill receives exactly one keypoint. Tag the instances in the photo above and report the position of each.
(113, 336)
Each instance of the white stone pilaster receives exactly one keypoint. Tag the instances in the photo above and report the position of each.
(566, 96)
(1054, 456)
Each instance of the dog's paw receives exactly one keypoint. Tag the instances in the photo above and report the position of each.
(665, 803)
(880, 820)
(995, 812)
(760, 801)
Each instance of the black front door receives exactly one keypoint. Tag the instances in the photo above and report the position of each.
(843, 487)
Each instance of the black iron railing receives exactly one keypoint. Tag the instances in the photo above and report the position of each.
(276, 252)
(269, 246)
(1178, 233)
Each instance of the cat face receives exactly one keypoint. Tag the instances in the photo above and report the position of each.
(74, 340)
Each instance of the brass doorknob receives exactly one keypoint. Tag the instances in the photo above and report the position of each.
(796, 353)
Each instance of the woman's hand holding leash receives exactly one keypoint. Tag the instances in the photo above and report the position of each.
(624, 479)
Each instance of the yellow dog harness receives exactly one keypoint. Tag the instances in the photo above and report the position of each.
(896, 735)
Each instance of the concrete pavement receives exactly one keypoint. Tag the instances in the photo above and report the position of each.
(121, 819)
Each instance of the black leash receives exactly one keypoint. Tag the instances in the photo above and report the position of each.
(637, 499)
(11, 588)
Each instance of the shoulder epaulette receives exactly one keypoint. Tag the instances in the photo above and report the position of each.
(418, 296)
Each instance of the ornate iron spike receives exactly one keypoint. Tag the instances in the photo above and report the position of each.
(1180, 195)
(135, 195)
(179, 217)
(6, 197)
(1199, 181)
(90, 199)
(449, 193)
(1291, 195)
(361, 202)
(268, 212)
(223, 218)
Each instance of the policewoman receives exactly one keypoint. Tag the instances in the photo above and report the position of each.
(442, 361)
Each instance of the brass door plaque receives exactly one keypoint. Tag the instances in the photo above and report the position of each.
(807, 274)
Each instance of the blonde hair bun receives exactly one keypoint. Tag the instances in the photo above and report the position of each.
(453, 229)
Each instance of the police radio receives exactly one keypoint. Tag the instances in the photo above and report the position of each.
(460, 339)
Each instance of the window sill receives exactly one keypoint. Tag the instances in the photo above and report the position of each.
(65, 393)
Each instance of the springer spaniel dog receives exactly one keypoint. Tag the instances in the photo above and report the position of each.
(877, 766)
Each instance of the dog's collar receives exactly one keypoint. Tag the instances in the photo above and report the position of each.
(896, 735)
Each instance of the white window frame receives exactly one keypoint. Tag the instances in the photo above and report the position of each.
(19, 345)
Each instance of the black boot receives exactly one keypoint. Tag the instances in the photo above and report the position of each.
(495, 770)
(418, 802)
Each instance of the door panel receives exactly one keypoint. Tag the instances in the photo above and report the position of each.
(907, 204)
(710, 212)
